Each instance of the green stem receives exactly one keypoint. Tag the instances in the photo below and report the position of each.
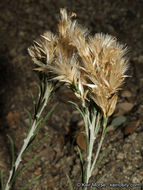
(105, 119)
(34, 126)
(90, 127)
(93, 127)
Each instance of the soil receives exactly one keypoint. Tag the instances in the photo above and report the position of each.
(23, 21)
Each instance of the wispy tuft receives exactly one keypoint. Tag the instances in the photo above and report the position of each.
(94, 66)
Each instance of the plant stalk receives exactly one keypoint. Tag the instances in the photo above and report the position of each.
(34, 126)
(100, 143)
(89, 130)
(93, 123)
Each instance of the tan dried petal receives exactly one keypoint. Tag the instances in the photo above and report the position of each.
(42, 51)
(111, 105)
(66, 69)
(95, 65)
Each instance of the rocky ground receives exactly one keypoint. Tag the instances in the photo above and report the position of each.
(23, 21)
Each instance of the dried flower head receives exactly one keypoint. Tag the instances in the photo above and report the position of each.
(105, 74)
(42, 52)
(94, 65)
(66, 69)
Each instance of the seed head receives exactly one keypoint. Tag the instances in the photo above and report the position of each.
(94, 65)
(105, 74)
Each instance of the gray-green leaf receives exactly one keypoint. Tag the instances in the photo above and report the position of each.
(118, 121)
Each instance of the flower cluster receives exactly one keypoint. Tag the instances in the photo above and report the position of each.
(94, 66)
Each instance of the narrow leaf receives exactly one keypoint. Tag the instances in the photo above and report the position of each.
(32, 181)
(31, 94)
(70, 183)
(27, 165)
(33, 101)
(38, 126)
(49, 113)
(43, 120)
(101, 157)
(42, 87)
(81, 163)
(29, 117)
(34, 144)
(80, 154)
(30, 162)
(12, 152)
(39, 89)
(77, 107)
(99, 180)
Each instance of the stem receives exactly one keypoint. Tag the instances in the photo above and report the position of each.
(91, 143)
(100, 143)
(45, 99)
(90, 128)
(93, 127)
